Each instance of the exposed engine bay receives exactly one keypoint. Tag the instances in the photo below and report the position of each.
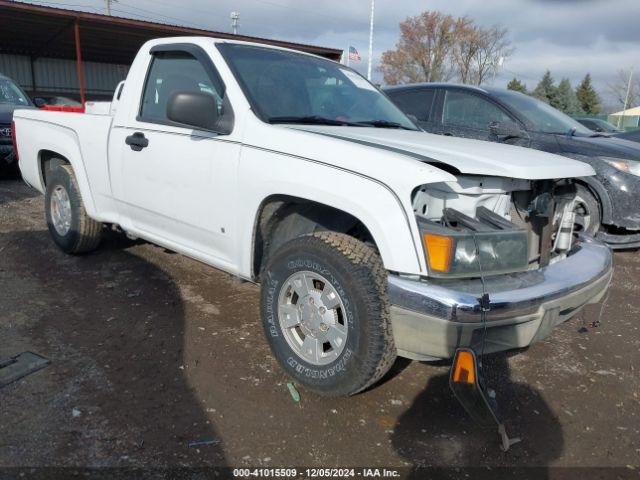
(513, 224)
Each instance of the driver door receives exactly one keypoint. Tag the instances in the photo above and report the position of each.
(177, 181)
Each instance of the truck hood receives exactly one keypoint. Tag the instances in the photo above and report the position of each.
(466, 156)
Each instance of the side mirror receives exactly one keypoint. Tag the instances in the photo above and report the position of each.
(504, 131)
(39, 102)
(195, 109)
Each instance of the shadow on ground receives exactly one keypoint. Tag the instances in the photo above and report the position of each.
(8, 191)
(115, 393)
(438, 418)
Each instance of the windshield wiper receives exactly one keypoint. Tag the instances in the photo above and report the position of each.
(383, 124)
(309, 120)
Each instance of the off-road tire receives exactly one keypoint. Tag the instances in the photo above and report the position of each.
(85, 233)
(356, 272)
(593, 206)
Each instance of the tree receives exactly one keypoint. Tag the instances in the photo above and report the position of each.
(567, 99)
(547, 91)
(588, 97)
(517, 86)
(465, 48)
(618, 88)
(494, 47)
(436, 47)
(422, 52)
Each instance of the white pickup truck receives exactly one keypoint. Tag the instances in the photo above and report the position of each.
(369, 237)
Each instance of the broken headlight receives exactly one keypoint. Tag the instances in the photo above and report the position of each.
(466, 247)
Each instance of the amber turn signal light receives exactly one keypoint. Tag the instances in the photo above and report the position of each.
(464, 368)
(439, 250)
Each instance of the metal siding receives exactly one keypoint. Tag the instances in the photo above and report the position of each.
(16, 67)
(59, 75)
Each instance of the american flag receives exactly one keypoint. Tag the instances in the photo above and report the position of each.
(353, 54)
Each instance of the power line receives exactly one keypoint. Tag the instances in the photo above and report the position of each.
(57, 4)
(155, 14)
(196, 10)
(289, 7)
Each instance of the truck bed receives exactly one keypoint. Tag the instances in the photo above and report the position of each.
(72, 135)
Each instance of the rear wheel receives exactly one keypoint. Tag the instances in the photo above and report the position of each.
(69, 225)
(587, 212)
(326, 314)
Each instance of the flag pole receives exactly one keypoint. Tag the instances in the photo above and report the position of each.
(373, 5)
(626, 100)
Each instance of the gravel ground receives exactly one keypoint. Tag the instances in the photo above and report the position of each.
(151, 350)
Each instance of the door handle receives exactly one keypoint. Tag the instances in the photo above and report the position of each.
(137, 141)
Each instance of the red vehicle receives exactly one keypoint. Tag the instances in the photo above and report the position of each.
(59, 104)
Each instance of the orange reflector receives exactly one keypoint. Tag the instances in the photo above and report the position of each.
(464, 370)
(439, 249)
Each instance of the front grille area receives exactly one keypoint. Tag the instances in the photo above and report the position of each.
(5, 134)
(540, 212)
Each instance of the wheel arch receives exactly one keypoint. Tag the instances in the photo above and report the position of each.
(282, 217)
(48, 159)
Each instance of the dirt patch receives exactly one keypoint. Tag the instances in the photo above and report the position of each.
(151, 351)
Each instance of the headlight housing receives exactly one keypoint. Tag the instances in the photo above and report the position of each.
(466, 252)
(626, 166)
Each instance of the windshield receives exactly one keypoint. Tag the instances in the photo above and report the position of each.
(290, 87)
(541, 116)
(11, 94)
(605, 126)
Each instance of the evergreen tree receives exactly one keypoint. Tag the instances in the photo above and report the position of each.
(567, 99)
(588, 97)
(547, 91)
(517, 86)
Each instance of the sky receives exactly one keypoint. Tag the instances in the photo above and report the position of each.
(568, 37)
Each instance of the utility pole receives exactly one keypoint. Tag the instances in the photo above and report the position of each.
(626, 100)
(109, 2)
(373, 6)
(235, 16)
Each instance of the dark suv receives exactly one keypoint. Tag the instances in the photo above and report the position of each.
(11, 96)
(606, 205)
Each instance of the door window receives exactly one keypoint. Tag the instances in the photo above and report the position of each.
(415, 102)
(174, 72)
(468, 110)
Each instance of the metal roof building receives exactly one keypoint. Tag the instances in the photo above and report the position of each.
(67, 52)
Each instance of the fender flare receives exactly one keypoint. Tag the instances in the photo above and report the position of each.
(67, 147)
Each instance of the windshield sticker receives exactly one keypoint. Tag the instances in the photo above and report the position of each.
(357, 80)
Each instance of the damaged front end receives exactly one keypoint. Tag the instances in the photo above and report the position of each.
(505, 267)
(491, 226)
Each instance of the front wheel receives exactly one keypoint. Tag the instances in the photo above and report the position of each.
(326, 314)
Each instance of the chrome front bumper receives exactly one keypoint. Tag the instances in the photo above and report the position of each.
(432, 318)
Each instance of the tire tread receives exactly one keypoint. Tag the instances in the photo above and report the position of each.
(368, 266)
